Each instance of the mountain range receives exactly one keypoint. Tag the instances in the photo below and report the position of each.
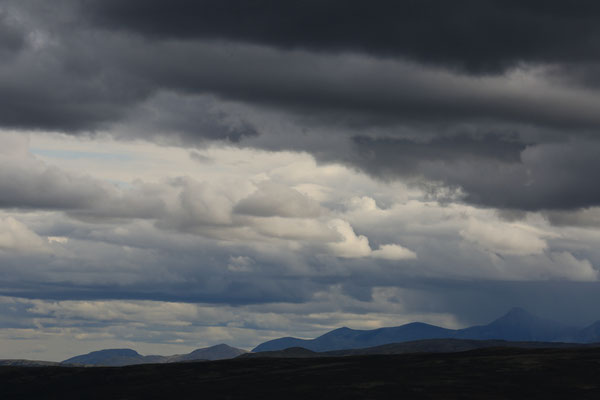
(517, 328)
(416, 346)
(516, 325)
(122, 357)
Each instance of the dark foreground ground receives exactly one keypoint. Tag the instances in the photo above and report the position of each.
(488, 374)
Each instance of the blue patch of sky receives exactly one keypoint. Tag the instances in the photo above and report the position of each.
(74, 155)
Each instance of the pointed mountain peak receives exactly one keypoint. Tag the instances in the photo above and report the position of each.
(517, 318)
(220, 346)
(343, 331)
(518, 312)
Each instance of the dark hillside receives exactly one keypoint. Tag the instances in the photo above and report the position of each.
(478, 374)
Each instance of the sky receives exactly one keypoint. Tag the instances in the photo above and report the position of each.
(176, 174)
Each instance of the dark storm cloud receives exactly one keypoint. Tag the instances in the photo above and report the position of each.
(64, 87)
(405, 155)
(12, 39)
(587, 217)
(189, 119)
(492, 171)
(82, 79)
(484, 301)
(232, 292)
(476, 35)
(197, 71)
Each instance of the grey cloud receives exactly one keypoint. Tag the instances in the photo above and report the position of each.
(390, 156)
(493, 172)
(198, 206)
(12, 39)
(351, 89)
(203, 88)
(108, 264)
(273, 199)
(62, 81)
(481, 302)
(94, 78)
(201, 158)
(33, 185)
(474, 35)
(549, 176)
(184, 119)
(28, 183)
(586, 217)
(494, 103)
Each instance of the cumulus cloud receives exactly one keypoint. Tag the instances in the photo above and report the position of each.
(393, 252)
(577, 269)
(16, 236)
(350, 245)
(506, 238)
(357, 246)
(272, 199)
(174, 162)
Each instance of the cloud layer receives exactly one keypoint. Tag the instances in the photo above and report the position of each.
(279, 168)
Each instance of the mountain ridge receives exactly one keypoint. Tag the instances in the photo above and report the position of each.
(417, 346)
(123, 357)
(516, 325)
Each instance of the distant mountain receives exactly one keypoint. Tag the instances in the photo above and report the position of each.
(112, 358)
(122, 357)
(417, 346)
(291, 352)
(346, 338)
(28, 363)
(449, 346)
(516, 325)
(218, 352)
(590, 334)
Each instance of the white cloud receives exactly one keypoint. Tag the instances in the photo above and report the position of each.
(274, 199)
(165, 226)
(505, 238)
(570, 267)
(349, 245)
(352, 246)
(16, 236)
(393, 252)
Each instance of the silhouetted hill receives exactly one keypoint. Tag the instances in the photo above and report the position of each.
(448, 346)
(218, 352)
(590, 334)
(498, 373)
(516, 325)
(417, 346)
(27, 363)
(291, 352)
(122, 357)
(346, 338)
(519, 325)
(108, 357)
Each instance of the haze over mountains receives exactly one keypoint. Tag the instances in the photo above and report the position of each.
(516, 325)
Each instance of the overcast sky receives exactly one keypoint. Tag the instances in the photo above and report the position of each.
(178, 174)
